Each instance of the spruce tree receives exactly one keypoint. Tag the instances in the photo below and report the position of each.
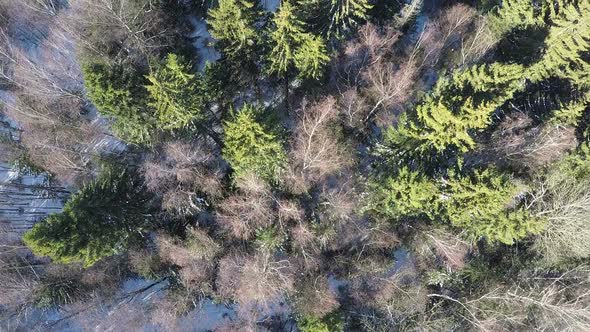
(292, 46)
(346, 15)
(565, 49)
(485, 205)
(101, 220)
(233, 25)
(175, 94)
(334, 18)
(513, 14)
(285, 38)
(458, 106)
(567, 45)
(407, 194)
(570, 114)
(250, 148)
(118, 94)
(310, 58)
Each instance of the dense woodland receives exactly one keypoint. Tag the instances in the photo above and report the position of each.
(337, 165)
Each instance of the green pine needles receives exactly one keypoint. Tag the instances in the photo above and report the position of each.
(566, 45)
(170, 97)
(311, 57)
(408, 194)
(117, 94)
(565, 48)
(251, 148)
(232, 25)
(101, 220)
(175, 94)
(485, 204)
(334, 18)
(292, 46)
(458, 106)
(462, 103)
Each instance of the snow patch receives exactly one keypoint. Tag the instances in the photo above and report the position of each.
(271, 5)
(203, 42)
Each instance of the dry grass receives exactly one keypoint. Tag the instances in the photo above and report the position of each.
(565, 203)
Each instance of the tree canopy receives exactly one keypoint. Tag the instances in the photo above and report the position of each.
(252, 148)
(175, 94)
(116, 92)
(292, 46)
(320, 165)
(102, 219)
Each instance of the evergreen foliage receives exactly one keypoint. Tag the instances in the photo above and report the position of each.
(408, 13)
(567, 43)
(457, 106)
(292, 46)
(57, 293)
(463, 117)
(287, 35)
(514, 14)
(332, 322)
(570, 114)
(269, 239)
(334, 18)
(311, 57)
(233, 25)
(407, 194)
(250, 148)
(101, 220)
(565, 47)
(117, 94)
(485, 204)
(176, 96)
(576, 165)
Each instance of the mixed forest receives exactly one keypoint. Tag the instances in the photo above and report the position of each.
(305, 165)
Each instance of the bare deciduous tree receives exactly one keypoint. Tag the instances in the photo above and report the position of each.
(370, 45)
(449, 248)
(257, 279)
(565, 203)
(48, 91)
(316, 150)
(129, 28)
(20, 276)
(182, 172)
(394, 298)
(307, 246)
(314, 296)
(63, 146)
(536, 302)
(339, 200)
(521, 144)
(354, 108)
(390, 86)
(289, 210)
(444, 32)
(194, 256)
(249, 209)
(479, 41)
